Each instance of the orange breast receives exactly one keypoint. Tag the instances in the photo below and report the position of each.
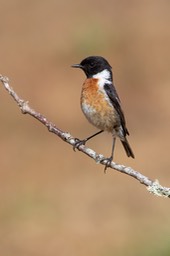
(97, 107)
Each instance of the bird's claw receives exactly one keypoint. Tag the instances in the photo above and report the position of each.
(78, 143)
(108, 162)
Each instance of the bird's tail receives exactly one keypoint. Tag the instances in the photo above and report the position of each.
(127, 148)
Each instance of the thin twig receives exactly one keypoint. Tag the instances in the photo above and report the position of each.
(152, 186)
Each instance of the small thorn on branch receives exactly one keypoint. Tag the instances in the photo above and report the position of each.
(23, 106)
(4, 79)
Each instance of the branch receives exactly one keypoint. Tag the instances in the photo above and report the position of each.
(152, 186)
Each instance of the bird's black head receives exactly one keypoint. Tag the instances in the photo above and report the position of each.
(93, 65)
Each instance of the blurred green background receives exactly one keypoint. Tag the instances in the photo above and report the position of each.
(54, 201)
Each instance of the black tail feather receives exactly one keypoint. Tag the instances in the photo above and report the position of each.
(127, 148)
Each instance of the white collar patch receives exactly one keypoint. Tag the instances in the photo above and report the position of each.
(103, 77)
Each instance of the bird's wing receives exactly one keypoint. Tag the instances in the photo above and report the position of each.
(114, 98)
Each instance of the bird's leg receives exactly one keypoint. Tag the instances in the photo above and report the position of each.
(109, 159)
(78, 142)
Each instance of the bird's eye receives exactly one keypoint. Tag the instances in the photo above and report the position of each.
(92, 64)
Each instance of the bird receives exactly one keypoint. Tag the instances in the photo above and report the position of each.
(101, 104)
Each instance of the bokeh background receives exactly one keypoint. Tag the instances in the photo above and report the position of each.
(54, 201)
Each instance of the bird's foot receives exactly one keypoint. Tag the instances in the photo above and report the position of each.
(78, 143)
(107, 162)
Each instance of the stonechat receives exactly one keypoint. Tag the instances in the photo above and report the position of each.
(100, 103)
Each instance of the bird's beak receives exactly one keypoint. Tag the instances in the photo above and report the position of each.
(76, 66)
